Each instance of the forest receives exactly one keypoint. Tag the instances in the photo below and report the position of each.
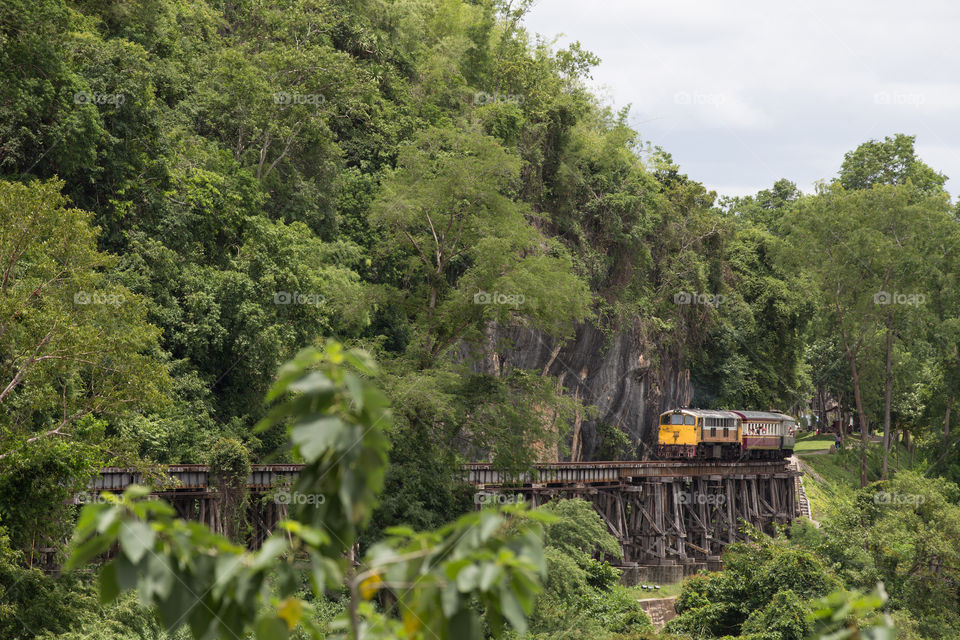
(383, 238)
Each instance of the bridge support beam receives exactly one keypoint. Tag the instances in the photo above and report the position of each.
(680, 520)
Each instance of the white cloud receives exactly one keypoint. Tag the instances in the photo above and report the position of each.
(745, 93)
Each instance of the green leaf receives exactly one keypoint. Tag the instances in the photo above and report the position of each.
(108, 520)
(89, 515)
(87, 551)
(293, 370)
(355, 386)
(313, 536)
(127, 574)
(136, 492)
(227, 567)
(488, 576)
(314, 383)
(272, 628)
(450, 599)
(136, 538)
(512, 611)
(316, 434)
(467, 578)
(273, 547)
(465, 625)
(179, 600)
(159, 578)
(109, 588)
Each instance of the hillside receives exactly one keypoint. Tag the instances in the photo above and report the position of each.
(383, 238)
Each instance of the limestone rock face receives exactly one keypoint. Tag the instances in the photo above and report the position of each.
(629, 381)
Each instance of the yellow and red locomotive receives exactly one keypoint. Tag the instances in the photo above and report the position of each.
(706, 434)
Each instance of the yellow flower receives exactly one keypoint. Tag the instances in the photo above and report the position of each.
(370, 586)
(291, 610)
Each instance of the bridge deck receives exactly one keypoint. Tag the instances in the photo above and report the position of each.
(187, 477)
(586, 473)
(194, 477)
(661, 512)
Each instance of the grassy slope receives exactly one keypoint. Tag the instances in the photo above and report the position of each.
(665, 591)
(841, 471)
(812, 442)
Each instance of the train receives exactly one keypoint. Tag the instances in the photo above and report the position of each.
(707, 434)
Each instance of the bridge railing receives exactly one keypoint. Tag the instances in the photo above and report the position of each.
(196, 477)
(184, 477)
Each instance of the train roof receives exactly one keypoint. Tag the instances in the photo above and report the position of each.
(760, 415)
(704, 413)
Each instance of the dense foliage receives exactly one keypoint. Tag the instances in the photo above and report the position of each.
(192, 191)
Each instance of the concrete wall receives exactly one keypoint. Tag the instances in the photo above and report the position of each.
(660, 610)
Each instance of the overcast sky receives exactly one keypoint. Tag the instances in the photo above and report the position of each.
(744, 93)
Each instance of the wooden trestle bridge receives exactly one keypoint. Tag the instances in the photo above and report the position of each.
(671, 518)
(675, 516)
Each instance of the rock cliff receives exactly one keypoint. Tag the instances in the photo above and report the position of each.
(627, 378)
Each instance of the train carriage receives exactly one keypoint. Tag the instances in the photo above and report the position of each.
(699, 434)
(789, 434)
(704, 434)
(766, 434)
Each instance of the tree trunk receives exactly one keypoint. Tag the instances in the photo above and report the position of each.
(863, 422)
(822, 400)
(887, 398)
(861, 415)
(946, 418)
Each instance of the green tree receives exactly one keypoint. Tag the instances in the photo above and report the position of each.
(763, 589)
(42, 128)
(906, 528)
(71, 340)
(229, 464)
(337, 417)
(891, 161)
(75, 347)
(859, 248)
(582, 596)
(449, 203)
(894, 162)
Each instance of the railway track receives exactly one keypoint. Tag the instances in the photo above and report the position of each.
(263, 477)
(176, 478)
(589, 473)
